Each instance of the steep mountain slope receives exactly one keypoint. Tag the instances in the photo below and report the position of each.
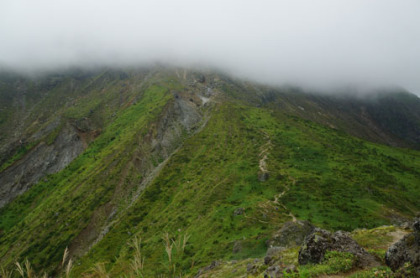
(221, 162)
(388, 116)
(49, 122)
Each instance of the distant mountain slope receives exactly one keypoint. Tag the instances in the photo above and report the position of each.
(220, 161)
(390, 116)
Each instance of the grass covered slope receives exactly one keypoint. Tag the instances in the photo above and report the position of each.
(326, 176)
(51, 120)
(221, 190)
(66, 207)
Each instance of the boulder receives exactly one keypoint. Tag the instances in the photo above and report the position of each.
(320, 241)
(314, 247)
(407, 250)
(292, 234)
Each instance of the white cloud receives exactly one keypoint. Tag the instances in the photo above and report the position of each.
(303, 41)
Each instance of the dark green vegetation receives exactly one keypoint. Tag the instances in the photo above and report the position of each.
(255, 158)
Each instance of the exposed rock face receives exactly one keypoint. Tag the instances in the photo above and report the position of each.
(42, 160)
(406, 250)
(291, 234)
(320, 241)
(179, 119)
(182, 116)
(315, 246)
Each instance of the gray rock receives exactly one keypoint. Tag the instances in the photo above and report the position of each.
(315, 246)
(320, 241)
(292, 234)
(42, 160)
(406, 250)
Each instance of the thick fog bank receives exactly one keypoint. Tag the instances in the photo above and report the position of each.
(321, 44)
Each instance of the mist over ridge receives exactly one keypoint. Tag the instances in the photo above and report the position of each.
(317, 44)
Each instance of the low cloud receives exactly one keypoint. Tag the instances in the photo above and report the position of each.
(317, 43)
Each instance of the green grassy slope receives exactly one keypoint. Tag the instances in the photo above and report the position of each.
(88, 101)
(210, 189)
(40, 223)
(336, 181)
(389, 116)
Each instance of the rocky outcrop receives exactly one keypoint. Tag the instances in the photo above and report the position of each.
(292, 234)
(181, 117)
(407, 250)
(320, 241)
(42, 160)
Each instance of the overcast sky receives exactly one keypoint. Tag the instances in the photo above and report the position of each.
(311, 42)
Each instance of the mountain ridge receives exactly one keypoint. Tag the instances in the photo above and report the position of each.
(180, 151)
